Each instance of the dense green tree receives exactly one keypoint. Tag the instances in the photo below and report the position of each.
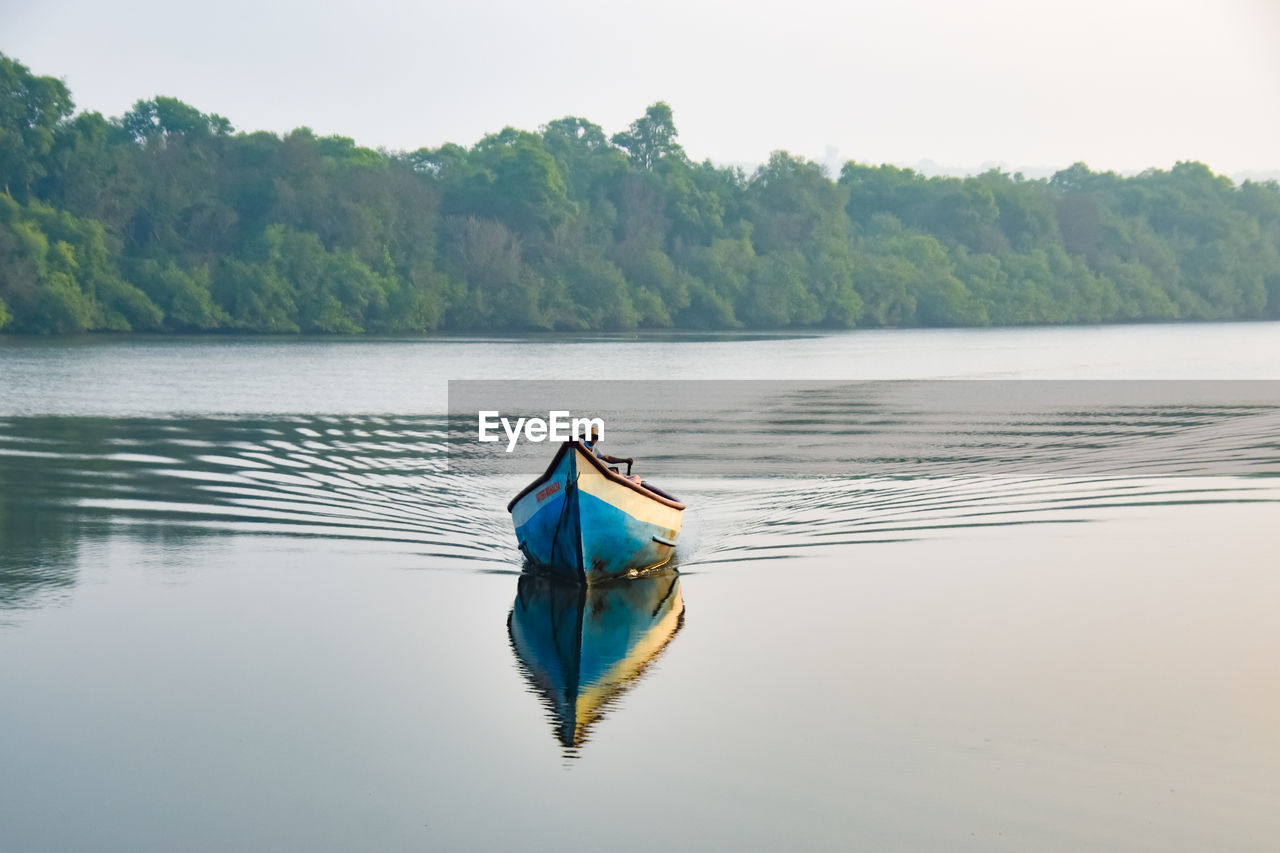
(695, 207)
(650, 138)
(584, 156)
(90, 176)
(58, 274)
(185, 296)
(794, 204)
(167, 219)
(500, 289)
(798, 214)
(159, 119)
(776, 295)
(30, 109)
(255, 297)
(599, 294)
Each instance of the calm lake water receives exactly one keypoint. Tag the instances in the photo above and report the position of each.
(252, 598)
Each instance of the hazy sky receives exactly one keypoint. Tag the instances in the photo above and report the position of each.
(1119, 84)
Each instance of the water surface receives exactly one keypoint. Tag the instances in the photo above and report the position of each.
(245, 603)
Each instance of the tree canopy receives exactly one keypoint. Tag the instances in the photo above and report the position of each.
(168, 219)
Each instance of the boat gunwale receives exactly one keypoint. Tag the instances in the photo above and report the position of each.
(608, 472)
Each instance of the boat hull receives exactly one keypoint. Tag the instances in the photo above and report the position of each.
(583, 521)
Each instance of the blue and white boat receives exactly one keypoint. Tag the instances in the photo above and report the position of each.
(583, 520)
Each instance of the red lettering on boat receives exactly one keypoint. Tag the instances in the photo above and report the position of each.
(548, 491)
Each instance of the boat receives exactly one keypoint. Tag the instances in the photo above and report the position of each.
(584, 521)
(581, 647)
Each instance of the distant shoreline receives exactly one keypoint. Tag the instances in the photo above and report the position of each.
(167, 220)
(551, 336)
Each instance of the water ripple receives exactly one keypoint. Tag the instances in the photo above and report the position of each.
(387, 478)
(381, 478)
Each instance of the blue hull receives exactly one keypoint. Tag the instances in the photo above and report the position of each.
(582, 521)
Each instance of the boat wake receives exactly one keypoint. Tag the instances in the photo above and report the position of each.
(372, 478)
(388, 480)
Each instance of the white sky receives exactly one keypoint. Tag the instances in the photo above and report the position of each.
(1119, 84)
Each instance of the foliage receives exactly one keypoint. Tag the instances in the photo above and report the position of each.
(167, 219)
(651, 137)
(30, 109)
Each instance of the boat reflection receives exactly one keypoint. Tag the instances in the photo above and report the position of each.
(581, 647)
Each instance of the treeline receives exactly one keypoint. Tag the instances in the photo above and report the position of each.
(166, 219)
